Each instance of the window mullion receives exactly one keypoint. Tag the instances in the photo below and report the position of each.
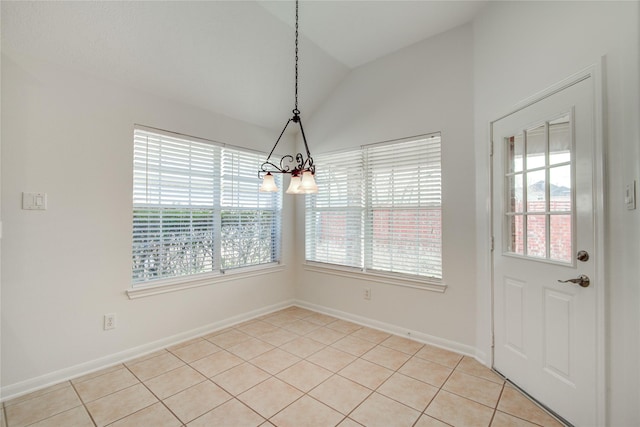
(367, 223)
(217, 213)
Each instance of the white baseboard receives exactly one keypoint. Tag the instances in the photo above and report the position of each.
(24, 387)
(18, 389)
(464, 349)
(481, 357)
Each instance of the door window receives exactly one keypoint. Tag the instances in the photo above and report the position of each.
(539, 192)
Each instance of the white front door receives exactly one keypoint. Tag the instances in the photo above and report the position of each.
(545, 330)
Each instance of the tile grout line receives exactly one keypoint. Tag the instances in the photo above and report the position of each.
(424, 412)
(495, 410)
(396, 371)
(434, 396)
(242, 403)
(359, 404)
(152, 393)
(83, 403)
(42, 395)
(165, 405)
(375, 390)
(504, 386)
(234, 396)
(215, 407)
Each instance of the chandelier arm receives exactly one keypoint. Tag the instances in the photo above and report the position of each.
(306, 146)
(264, 166)
(285, 168)
(279, 138)
(269, 167)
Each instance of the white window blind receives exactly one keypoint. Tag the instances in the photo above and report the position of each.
(189, 197)
(379, 208)
(334, 216)
(250, 224)
(403, 225)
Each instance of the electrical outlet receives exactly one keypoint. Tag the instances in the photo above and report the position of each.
(367, 293)
(109, 321)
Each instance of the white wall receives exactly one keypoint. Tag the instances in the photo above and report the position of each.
(521, 48)
(424, 88)
(71, 136)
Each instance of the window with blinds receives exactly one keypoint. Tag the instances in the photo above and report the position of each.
(250, 220)
(197, 208)
(379, 208)
(334, 216)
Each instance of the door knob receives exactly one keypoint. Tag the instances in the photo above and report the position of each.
(583, 256)
(582, 280)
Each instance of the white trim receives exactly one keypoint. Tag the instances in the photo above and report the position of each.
(421, 337)
(551, 90)
(401, 140)
(482, 358)
(173, 286)
(353, 273)
(597, 74)
(24, 387)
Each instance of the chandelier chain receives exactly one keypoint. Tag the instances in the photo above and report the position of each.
(296, 103)
(301, 168)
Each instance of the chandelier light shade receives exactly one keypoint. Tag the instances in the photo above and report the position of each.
(300, 167)
(268, 184)
(308, 183)
(294, 184)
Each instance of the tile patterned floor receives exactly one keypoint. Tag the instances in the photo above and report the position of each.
(293, 368)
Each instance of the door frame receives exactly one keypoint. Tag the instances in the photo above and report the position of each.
(596, 73)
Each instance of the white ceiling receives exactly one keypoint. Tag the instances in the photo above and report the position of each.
(229, 57)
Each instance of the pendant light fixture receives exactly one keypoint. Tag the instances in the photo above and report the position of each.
(301, 168)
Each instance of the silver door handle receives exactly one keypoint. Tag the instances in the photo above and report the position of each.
(582, 280)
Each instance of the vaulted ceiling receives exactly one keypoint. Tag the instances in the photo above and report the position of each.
(230, 57)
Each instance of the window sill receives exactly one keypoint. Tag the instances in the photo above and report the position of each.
(186, 283)
(425, 285)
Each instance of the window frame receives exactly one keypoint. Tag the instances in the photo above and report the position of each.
(161, 285)
(365, 272)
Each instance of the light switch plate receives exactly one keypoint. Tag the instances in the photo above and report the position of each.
(630, 195)
(34, 201)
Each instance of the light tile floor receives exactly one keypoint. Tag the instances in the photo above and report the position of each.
(293, 368)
